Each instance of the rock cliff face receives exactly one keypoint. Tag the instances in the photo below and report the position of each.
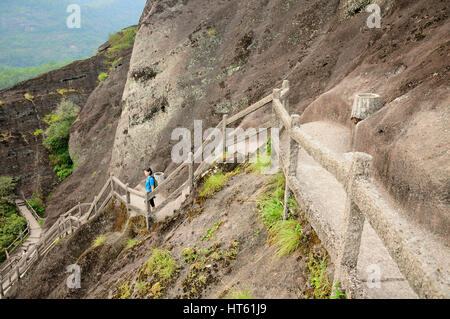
(200, 59)
(91, 141)
(21, 152)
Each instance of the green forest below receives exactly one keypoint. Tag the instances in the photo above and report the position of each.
(10, 75)
(34, 37)
(11, 223)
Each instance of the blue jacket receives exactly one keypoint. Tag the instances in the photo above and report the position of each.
(150, 182)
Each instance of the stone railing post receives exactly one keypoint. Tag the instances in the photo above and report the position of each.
(61, 229)
(364, 105)
(224, 137)
(2, 292)
(149, 209)
(347, 260)
(286, 99)
(275, 119)
(112, 182)
(79, 209)
(191, 171)
(128, 196)
(7, 254)
(18, 273)
(293, 148)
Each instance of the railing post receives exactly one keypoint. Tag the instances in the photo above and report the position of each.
(112, 182)
(347, 260)
(2, 293)
(224, 137)
(276, 96)
(128, 196)
(61, 229)
(286, 99)
(37, 251)
(149, 209)
(95, 202)
(293, 148)
(79, 208)
(191, 171)
(18, 273)
(7, 254)
(70, 225)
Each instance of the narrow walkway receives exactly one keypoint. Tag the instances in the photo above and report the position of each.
(329, 198)
(35, 229)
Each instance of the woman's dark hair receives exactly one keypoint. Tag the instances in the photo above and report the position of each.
(149, 170)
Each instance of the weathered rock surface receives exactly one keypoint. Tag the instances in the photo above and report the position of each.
(200, 59)
(21, 152)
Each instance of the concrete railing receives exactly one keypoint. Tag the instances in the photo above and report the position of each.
(364, 201)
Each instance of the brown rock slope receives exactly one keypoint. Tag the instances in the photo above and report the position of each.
(21, 152)
(200, 59)
(91, 141)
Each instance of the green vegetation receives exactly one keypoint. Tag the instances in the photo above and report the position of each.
(132, 242)
(124, 291)
(38, 132)
(102, 77)
(161, 265)
(337, 293)
(1, 102)
(37, 203)
(211, 232)
(286, 235)
(242, 293)
(11, 223)
(319, 279)
(56, 137)
(34, 26)
(63, 92)
(216, 182)
(29, 97)
(11, 75)
(100, 240)
(120, 41)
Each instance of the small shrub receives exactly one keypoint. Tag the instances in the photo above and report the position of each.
(102, 77)
(99, 241)
(1, 102)
(63, 92)
(38, 132)
(132, 242)
(56, 137)
(161, 265)
(120, 41)
(28, 96)
(319, 279)
(286, 235)
(213, 184)
(124, 291)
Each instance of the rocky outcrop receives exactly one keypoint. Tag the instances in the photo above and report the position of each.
(91, 141)
(21, 151)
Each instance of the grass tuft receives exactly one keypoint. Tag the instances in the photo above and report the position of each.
(242, 293)
(99, 241)
(161, 265)
(286, 235)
